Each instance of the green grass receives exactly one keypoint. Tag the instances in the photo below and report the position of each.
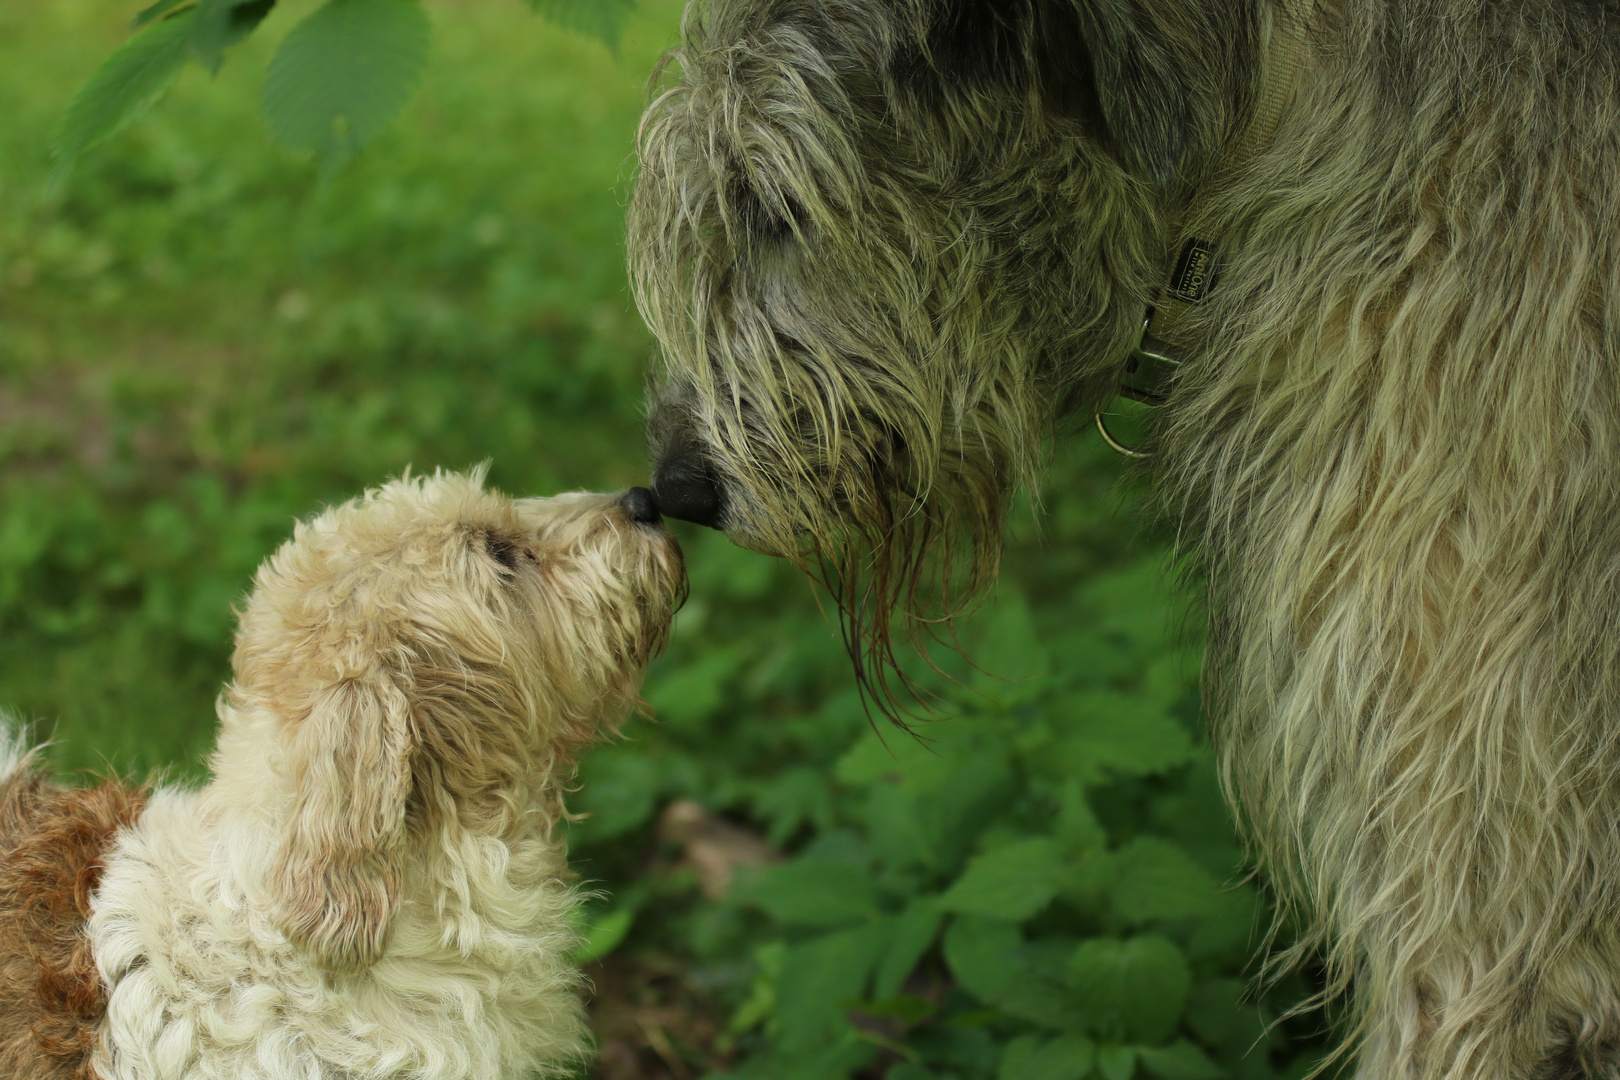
(199, 343)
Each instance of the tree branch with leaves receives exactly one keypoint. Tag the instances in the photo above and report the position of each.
(335, 82)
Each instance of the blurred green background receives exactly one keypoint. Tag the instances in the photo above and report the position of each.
(199, 343)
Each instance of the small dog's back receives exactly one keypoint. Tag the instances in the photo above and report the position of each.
(52, 840)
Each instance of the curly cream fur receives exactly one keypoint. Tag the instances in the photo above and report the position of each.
(370, 885)
(883, 260)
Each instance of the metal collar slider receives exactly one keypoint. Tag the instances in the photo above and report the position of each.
(1149, 370)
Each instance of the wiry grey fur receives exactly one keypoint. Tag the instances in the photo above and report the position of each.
(886, 244)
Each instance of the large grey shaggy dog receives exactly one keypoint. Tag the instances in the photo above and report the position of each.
(887, 244)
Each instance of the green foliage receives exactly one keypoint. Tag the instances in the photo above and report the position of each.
(341, 75)
(600, 19)
(131, 80)
(196, 347)
(219, 24)
(339, 78)
(1043, 884)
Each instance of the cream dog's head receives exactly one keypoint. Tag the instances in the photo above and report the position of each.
(418, 665)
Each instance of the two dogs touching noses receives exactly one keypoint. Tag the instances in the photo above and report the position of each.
(371, 883)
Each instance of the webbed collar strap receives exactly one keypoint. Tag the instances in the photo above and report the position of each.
(1194, 263)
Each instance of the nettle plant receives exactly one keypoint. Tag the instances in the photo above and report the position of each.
(1041, 884)
(1030, 891)
(335, 82)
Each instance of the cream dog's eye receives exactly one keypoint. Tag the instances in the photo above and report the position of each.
(502, 551)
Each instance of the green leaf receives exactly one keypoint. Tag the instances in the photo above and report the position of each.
(1068, 1057)
(911, 934)
(342, 74)
(761, 1002)
(891, 753)
(1231, 928)
(692, 692)
(1014, 1055)
(976, 796)
(1142, 603)
(600, 19)
(1137, 987)
(819, 978)
(1113, 734)
(1116, 1062)
(837, 1059)
(1158, 881)
(1011, 661)
(219, 24)
(906, 1008)
(604, 935)
(987, 958)
(1077, 826)
(1219, 1015)
(162, 7)
(620, 790)
(1010, 883)
(1181, 1060)
(901, 831)
(126, 85)
(909, 1070)
(815, 892)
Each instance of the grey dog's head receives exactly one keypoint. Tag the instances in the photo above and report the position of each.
(884, 244)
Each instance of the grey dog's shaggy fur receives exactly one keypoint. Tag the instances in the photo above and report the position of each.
(886, 244)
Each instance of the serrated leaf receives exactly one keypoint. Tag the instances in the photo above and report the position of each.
(220, 24)
(1108, 734)
(620, 791)
(1142, 603)
(600, 19)
(1219, 1016)
(1014, 1055)
(1011, 883)
(880, 754)
(761, 1002)
(987, 958)
(604, 935)
(835, 1060)
(1156, 880)
(1067, 1057)
(342, 74)
(818, 977)
(967, 800)
(162, 7)
(1077, 826)
(906, 1008)
(911, 934)
(1181, 1060)
(815, 892)
(1116, 1062)
(1011, 660)
(902, 834)
(1136, 987)
(1231, 927)
(126, 85)
(692, 692)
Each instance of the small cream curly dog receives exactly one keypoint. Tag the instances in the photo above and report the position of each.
(370, 886)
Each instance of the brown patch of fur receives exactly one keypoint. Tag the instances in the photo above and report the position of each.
(51, 844)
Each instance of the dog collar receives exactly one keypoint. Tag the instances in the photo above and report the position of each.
(1150, 368)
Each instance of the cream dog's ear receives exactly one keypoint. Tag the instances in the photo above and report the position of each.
(336, 881)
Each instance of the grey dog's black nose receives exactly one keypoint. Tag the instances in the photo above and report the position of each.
(686, 490)
(640, 505)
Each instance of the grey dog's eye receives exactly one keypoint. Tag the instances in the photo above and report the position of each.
(502, 551)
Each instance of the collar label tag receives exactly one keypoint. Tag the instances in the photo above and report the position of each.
(1194, 276)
